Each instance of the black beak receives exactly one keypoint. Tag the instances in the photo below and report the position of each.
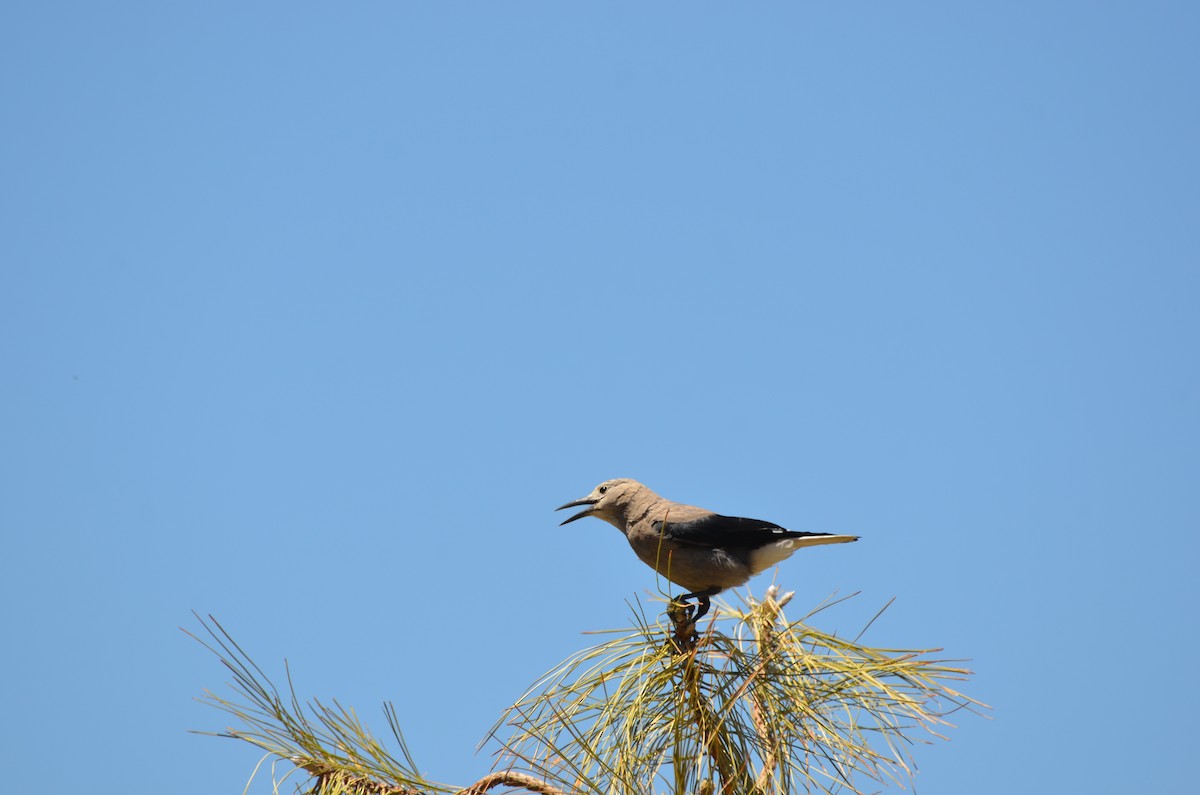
(585, 512)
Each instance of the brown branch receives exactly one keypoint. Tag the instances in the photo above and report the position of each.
(510, 779)
(685, 637)
(712, 733)
(763, 625)
(331, 779)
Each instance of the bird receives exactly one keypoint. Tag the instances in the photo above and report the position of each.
(695, 548)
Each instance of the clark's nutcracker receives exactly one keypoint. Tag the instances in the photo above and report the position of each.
(697, 549)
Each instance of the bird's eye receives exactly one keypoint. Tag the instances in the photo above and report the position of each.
(603, 489)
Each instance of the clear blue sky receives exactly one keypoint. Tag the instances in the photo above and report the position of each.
(312, 313)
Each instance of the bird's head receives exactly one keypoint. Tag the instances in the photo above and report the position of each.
(608, 501)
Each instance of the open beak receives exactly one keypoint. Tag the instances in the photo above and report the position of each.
(585, 512)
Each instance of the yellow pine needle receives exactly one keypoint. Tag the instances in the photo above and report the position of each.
(755, 704)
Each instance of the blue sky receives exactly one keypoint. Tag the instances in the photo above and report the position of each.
(312, 314)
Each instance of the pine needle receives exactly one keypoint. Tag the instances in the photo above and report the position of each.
(754, 704)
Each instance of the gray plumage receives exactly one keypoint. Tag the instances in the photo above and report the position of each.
(702, 551)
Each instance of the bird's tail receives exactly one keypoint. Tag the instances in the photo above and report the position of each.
(817, 539)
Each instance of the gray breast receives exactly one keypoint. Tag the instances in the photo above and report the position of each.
(696, 568)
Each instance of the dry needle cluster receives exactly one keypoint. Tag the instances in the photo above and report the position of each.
(752, 703)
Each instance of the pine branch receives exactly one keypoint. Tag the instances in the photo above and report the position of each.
(755, 704)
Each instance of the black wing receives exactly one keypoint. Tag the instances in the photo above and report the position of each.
(726, 531)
